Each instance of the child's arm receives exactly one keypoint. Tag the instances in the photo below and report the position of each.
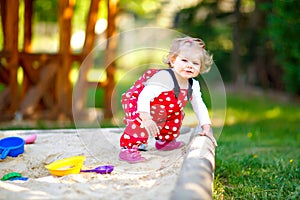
(201, 112)
(199, 107)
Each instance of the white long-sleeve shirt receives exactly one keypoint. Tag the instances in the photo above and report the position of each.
(154, 87)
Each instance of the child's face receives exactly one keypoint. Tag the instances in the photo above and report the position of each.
(186, 65)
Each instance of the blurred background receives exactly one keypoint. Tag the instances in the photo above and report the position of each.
(46, 72)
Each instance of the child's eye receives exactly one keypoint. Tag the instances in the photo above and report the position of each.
(184, 60)
(196, 64)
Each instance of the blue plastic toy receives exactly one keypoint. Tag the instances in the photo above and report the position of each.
(11, 146)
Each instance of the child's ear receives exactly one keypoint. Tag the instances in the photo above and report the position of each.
(172, 59)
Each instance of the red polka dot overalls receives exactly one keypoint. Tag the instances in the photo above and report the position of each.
(166, 110)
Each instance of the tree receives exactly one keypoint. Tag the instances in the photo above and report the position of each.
(284, 29)
(260, 35)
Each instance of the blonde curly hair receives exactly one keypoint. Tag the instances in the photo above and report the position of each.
(190, 44)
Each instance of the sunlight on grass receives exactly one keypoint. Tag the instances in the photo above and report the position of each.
(237, 116)
(257, 156)
(273, 113)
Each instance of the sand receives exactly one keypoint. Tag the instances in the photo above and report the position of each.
(153, 179)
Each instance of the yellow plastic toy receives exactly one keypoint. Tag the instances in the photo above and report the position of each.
(66, 166)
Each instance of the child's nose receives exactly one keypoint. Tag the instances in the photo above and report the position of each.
(190, 65)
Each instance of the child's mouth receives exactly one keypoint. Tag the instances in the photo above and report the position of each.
(189, 71)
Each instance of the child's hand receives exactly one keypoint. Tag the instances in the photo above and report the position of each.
(151, 127)
(149, 124)
(206, 131)
(210, 136)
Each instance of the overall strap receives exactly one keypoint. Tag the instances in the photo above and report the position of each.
(176, 85)
(190, 89)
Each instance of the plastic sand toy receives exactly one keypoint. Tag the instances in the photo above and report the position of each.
(101, 169)
(11, 146)
(30, 139)
(66, 166)
(13, 176)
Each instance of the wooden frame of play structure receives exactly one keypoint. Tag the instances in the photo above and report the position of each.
(46, 92)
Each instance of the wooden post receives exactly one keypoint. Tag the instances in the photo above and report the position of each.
(80, 90)
(28, 25)
(63, 84)
(197, 173)
(110, 54)
(11, 46)
(3, 18)
(27, 41)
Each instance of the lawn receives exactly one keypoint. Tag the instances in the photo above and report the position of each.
(258, 154)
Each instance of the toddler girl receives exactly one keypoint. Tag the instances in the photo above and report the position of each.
(160, 103)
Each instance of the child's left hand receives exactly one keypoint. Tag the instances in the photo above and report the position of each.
(206, 131)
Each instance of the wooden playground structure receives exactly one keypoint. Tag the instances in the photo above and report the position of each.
(46, 90)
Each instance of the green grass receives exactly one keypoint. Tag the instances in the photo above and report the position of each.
(258, 153)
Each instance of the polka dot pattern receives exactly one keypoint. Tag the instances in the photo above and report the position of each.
(165, 109)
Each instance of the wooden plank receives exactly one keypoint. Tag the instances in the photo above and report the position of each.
(197, 173)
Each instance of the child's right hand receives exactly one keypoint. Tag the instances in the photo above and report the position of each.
(149, 124)
(151, 127)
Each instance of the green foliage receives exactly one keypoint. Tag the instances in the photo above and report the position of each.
(258, 157)
(95, 98)
(45, 10)
(208, 26)
(278, 30)
(284, 29)
(146, 9)
(81, 9)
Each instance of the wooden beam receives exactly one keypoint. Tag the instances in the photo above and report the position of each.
(110, 56)
(4, 75)
(3, 18)
(11, 45)
(90, 28)
(36, 93)
(27, 47)
(43, 57)
(197, 173)
(63, 86)
(80, 90)
(28, 25)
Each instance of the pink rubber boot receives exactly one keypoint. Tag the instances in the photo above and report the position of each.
(131, 156)
(168, 145)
